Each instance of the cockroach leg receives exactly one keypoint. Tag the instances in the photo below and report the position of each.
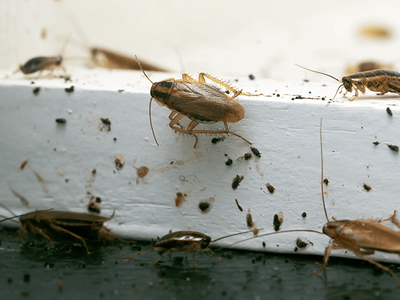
(58, 228)
(212, 253)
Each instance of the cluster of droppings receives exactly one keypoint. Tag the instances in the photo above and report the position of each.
(119, 161)
(105, 124)
(218, 139)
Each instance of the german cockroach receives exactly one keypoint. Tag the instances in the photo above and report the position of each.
(43, 63)
(183, 241)
(199, 101)
(105, 58)
(362, 237)
(367, 66)
(51, 224)
(381, 81)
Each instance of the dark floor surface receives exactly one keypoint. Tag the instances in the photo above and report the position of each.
(32, 270)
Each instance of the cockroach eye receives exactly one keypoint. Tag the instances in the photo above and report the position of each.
(205, 243)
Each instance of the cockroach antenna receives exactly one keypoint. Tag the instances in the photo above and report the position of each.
(151, 123)
(322, 171)
(325, 75)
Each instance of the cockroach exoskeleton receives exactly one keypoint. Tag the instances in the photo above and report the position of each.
(381, 81)
(184, 241)
(362, 237)
(51, 224)
(199, 101)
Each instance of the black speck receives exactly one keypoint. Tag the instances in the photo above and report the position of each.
(296, 249)
(105, 121)
(277, 223)
(236, 181)
(36, 91)
(278, 95)
(255, 151)
(229, 162)
(251, 77)
(92, 208)
(27, 277)
(367, 187)
(204, 206)
(376, 143)
(304, 214)
(32, 82)
(264, 244)
(247, 156)
(306, 80)
(70, 89)
(270, 188)
(115, 139)
(301, 244)
(9, 280)
(61, 121)
(389, 111)
(326, 181)
(393, 147)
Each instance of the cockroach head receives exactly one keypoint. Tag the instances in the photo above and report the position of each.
(161, 90)
(348, 85)
(331, 229)
(205, 242)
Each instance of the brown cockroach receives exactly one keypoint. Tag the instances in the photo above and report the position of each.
(381, 81)
(105, 58)
(52, 223)
(184, 241)
(42, 63)
(199, 101)
(362, 237)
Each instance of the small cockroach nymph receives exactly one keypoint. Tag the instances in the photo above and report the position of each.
(362, 237)
(43, 63)
(201, 102)
(184, 241)
(381, 81)
(53, 224)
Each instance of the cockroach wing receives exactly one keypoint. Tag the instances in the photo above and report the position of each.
(371, 235)
(200, 102)
(33, 65)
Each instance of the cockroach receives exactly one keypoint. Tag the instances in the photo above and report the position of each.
(42, 63)
(381, 81)
(52, 223)
(184, 241)
(362, 237)
(367, 66)
(201, 102)
(105, 58)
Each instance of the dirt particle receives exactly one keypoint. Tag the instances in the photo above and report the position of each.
(247, 156)
(263, 243)
(119, 161)
(120, 91)
(94, 171)
(61, 121)
(251, 77)
(256, 152)
(238, 205)
(36, 91)
(376, 143)
(270, 188)
(206, 205)
(236, 181)
(70, 89)
(304, 214)
(24, 163)
(301, 244)
(229, 162)
(326, 181)
(216, 140)
(142, 171)
(393, 147)
(105, 124)
(250, 223)
(180, 198)
(278, 220)
(367, 187)
(389, 111)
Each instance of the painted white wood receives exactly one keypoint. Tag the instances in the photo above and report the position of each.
(230, 41)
